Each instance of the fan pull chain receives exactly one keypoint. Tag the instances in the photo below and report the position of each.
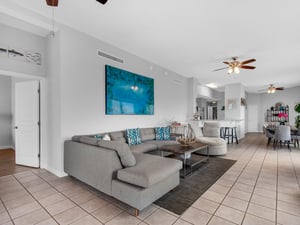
(52, 32)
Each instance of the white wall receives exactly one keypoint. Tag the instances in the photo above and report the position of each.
(5, 112)
(253, 112)
(192, 94)
(234, 92)
(54, 143)
(76, 77)
(14, 38)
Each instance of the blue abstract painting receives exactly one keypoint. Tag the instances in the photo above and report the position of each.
(128, 93)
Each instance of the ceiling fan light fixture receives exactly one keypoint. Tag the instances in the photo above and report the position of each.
(271, 89)
(236, 70)
(235, 66)
(53, 3)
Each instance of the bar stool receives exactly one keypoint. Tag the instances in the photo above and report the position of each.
(222, 129)
(230, 133)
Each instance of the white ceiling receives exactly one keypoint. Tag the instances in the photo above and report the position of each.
(191, 37)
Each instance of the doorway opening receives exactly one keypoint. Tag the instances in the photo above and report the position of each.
(8, 164)
(16, 130)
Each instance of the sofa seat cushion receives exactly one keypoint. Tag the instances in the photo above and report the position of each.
(161, 143)
(212, 141)
(166, 142)
(216, 146)
(149, 170)
(144, 147)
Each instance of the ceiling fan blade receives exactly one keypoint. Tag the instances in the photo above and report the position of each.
(102, 1)
(248, 67)
(220, 69)
(52, 2)
(280, 88)
(228, 63)
(248, 61)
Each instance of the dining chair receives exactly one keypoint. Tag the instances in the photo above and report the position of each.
(282, 135)
(296, 138)
(268, 133)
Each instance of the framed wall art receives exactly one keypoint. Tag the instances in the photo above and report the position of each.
(128, 93)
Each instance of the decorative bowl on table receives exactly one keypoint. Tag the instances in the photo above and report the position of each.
(185, 141)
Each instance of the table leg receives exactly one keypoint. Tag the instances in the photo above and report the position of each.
(184, 165)
(207, 153)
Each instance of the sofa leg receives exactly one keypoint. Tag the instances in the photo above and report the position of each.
(136, 212)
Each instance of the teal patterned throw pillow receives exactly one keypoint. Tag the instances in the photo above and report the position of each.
(98, 136)
(162, 133)
(134, 136)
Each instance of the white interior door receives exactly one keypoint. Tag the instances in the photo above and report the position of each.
(252, 118)
(27, 123)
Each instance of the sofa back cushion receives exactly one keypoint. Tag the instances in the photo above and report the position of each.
(211, 129)
(195, 130)
(147, 134)
(118, 136)
(123, 150)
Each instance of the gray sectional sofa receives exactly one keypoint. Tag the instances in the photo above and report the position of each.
(123, 171)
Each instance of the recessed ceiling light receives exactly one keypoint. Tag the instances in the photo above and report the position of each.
(211, 85)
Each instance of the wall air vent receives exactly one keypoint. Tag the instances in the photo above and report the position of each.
(105, 55)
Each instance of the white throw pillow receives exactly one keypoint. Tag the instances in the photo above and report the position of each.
(106, 137)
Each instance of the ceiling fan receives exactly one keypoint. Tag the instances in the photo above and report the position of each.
(272, 89)
(234, 66)
(55, 2)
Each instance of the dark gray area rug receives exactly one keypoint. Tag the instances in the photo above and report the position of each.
(194, 185)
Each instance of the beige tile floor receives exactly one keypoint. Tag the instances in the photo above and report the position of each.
(262, 187)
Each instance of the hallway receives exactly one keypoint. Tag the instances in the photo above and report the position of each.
(7, 163)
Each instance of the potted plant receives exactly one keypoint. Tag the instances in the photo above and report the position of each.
(297, 121)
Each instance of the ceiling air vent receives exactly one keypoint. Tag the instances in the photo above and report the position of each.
(105, 55)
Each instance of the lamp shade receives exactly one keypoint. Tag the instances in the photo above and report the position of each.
(230, 71)
(236, 70)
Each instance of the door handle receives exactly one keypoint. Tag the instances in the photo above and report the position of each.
(16, 127)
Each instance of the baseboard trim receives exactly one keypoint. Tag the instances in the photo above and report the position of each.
(7, 147)
(56, 172)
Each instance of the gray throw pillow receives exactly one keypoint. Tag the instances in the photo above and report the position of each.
(88, 140)
(123, 150)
